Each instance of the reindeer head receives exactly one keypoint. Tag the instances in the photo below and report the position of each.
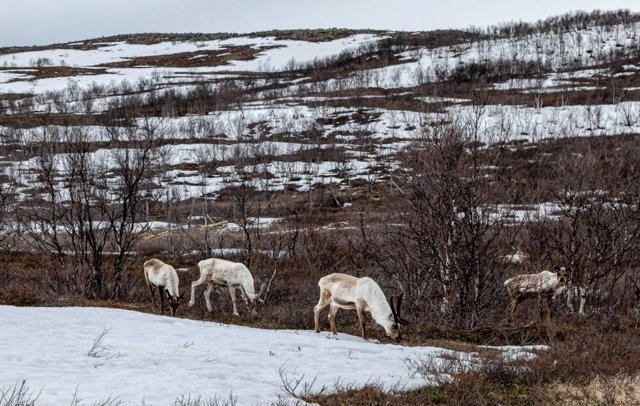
(393, 329)
(563, 274)
(262, 294)
(174, 302)
(258, 299)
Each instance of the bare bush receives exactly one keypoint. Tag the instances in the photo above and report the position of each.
(18, 395)
(217, 400)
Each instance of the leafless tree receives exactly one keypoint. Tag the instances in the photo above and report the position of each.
(70, 221)
(598, 221)
(447, 247)
(137, 153)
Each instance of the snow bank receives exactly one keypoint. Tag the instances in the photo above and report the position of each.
(156, 359)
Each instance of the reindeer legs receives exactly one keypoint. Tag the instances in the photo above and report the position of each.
(549, 307)
(325, 299)
(194, 285)
(333, 310)
(363, 321)
(153, 299)
(512, 308)
(232, 292)
(207, 296)
(161, 290)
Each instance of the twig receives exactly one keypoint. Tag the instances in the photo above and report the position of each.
(266, 293)
(97, 349)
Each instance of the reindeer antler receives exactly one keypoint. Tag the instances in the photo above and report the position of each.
(396, 311)
(395, 308)
(266, 292)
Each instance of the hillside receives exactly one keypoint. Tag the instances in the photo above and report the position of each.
(438, 163)
(354, 99)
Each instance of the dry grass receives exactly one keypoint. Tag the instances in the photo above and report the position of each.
(46, 72)
(194, 59)
(607, 390)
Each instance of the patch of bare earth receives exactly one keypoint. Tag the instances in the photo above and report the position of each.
(47, 72)
(603, 390)
(202, 58)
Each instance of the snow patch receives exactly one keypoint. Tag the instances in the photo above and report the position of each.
(157, 359)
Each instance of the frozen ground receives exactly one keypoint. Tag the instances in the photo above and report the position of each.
(272, 54)
(150, 359)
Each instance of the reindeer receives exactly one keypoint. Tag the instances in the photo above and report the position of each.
(233, 275)
(544, 284)
(164, 278)
(343, 291)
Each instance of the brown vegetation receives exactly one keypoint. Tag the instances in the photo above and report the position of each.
(209, 58)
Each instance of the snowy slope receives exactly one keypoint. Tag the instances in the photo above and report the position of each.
(273, 54)
(157, 359)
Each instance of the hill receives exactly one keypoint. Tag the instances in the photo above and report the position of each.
(438, 163)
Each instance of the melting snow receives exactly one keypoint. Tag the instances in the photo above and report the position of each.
(157, 359)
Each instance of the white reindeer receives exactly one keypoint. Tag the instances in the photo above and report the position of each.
(544, 284)
(233, 275)
(164, 278)
(343, 291)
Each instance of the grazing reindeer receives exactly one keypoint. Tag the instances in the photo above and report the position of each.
(545, 284)
(343, 291)
(233, 275)
(164, 278)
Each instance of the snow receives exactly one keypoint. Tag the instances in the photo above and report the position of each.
(517, 353)
(518, 214)
(8, 76)
(297, 51)
(112, 78)
(553, 82)
(280, 54)
(230, 130)
(556, 51)
(432, 99)
(156, 359)
(196, 153)
(232, 142)
(515, 258)
(107, 53)
(508, 122)
(121, 51)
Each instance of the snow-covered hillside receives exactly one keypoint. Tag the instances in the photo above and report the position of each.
(270, 54)
(352, 110)
(299, 112)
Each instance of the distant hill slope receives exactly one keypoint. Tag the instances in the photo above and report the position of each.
(315, 107)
